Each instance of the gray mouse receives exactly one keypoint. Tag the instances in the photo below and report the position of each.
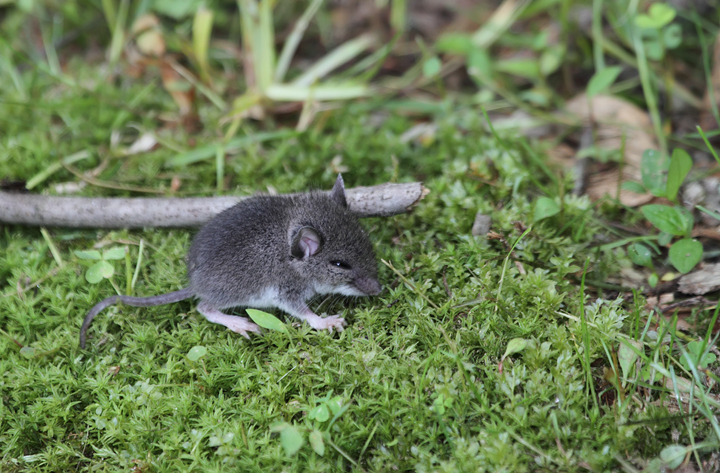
(273, 252)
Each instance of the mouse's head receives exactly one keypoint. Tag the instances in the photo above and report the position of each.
(330, 249)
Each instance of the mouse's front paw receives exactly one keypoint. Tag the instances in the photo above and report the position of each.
(331, 322)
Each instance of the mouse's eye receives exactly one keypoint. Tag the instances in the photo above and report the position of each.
(340, 264)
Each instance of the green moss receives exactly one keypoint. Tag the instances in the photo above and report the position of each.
(422, 386)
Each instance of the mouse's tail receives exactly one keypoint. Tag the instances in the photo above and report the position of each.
(162, 299)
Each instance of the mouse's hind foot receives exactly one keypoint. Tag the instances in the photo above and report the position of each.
(241, 325)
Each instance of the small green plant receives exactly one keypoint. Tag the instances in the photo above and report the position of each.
(602, 79)
(657, 33)
(545, 207)
(663, 178)
(102, 269)
(699, 354)
(292, 438)
(496, 74)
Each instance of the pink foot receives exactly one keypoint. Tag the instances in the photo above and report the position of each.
(237, 324)
(331, 322)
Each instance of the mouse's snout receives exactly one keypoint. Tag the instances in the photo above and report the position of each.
(368, 286)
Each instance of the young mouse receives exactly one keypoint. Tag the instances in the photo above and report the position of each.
(272, 251)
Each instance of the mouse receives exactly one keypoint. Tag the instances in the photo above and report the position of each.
(272, 252)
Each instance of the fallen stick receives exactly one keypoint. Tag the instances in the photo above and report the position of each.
(109, 212)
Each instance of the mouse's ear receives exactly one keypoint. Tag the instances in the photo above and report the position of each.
(306, 242)
(338, 192)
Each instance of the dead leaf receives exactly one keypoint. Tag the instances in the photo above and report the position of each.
(423, 133)
(614, 117)
(630, 277)
(654, 301)
(144, 143)
(145, 22)
(702, 281)
(151, 43)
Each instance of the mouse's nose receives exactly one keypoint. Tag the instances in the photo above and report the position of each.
(371, 287)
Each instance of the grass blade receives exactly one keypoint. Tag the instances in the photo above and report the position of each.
(322, 92)
(202, 27)
(334, 59)
(293, 40)
(265, 61)
(54, 167)
(503, 17)
(233, 145)
(118, 33)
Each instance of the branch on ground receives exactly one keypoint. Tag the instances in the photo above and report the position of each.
(82, 212)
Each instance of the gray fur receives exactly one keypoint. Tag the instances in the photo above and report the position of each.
(259, 254)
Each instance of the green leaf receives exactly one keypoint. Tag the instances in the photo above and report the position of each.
(664, 218)
(479, 63)
(431, 67)
(176, 8)
(89, 254)
(685, 254)
(680, 165)
(316, 442)
(456, 43)
(640, 255)
(653, 280)
(266, 320)
(632, 186)
(196, 352)
(335, 404)
(28, 352)
(291, 440)
(673, 456)
(320, 413)
(439, 404)
(652, 170)
(689, 220)
(278, 426)
(672, 36)
(528, 68)
(654, 47)
(627, 358)
(650, 375)
(114, 253)
(98, 271)
(602, 80)
(551, 59)
(698, 359)
(662, 13)
(659, 15)
(544, 208)
(664, 239)
(516, 345)
(644, 22)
